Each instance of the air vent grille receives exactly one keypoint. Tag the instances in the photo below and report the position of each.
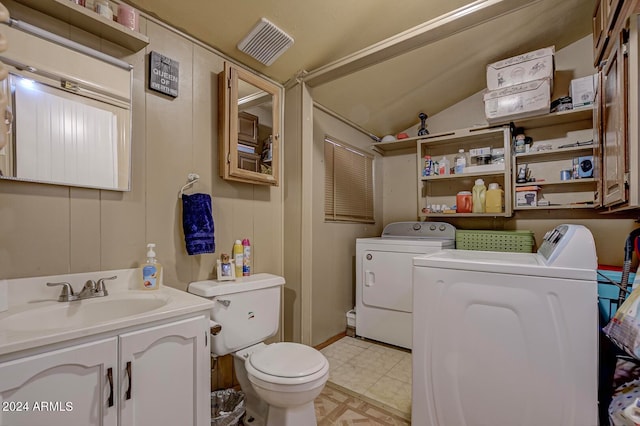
(265, 42)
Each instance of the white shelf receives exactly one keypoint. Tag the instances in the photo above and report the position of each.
(554, 118)
(582, 181)
(554, 153)
(90, 21)
(558, 207)
(397, 145)
(464, 175)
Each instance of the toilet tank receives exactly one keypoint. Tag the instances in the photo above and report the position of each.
(248, 309)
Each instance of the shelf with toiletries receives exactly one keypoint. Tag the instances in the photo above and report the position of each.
(439, 185)
(90, 21)
(555, 168)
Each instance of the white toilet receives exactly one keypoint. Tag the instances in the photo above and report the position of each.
(280, 380)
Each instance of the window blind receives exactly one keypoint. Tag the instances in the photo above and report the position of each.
(348, 193)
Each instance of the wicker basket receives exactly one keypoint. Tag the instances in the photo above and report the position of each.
(513, 241)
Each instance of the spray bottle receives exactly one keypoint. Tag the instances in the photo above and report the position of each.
(246, 257)
(238, 257)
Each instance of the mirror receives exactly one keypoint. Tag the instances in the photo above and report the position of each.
(69, 115)
(62, 138)
(249, 127)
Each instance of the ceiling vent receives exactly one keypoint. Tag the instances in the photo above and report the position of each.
(265, 42)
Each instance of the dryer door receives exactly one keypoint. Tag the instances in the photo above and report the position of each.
(387, 279)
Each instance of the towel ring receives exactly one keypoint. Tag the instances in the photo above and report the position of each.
(191, 179)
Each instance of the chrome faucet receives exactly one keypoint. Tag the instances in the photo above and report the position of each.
(91, 289)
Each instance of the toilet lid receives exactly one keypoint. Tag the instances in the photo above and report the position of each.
(288, 360)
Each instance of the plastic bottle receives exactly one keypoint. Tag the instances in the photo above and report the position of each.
(238, 252)
(151, 270)
(459, 162)
(494, 199)
(444, 166)
(426, 171)
(479, 194)
(246, 257)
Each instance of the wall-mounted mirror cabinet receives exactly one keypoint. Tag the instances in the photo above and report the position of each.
(249, 133)
(69, 116)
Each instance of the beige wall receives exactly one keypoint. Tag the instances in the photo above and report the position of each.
(333, 246)
(47, 229)
(292, 304)
(400, 183)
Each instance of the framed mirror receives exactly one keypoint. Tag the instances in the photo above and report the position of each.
(69, 116)
(250, 117)
(59, 137)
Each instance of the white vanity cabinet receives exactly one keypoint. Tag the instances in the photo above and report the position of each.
(64, 387)
(157, 374)
(163, 373)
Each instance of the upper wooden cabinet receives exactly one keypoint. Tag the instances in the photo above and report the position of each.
(608, 19)
(614, 130)
(618, 115)
(249, 130)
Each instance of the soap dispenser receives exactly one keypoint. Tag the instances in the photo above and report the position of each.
(151, 270)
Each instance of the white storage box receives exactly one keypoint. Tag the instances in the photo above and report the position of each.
(582, 91)
(526, 198)
(522, 100)
(519, 69)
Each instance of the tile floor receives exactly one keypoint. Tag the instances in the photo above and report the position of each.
(335, 406)
(375, 373)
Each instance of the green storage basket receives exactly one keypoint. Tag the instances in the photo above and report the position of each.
(513, 241)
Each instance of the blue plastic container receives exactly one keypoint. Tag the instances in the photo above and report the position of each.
(608, 293)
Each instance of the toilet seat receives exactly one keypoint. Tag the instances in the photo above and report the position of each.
(287, 364)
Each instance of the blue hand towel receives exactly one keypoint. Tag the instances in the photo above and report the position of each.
(197, 222)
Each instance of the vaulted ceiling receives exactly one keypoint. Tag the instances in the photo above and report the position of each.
(379, 63)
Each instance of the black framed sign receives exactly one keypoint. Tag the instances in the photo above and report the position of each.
(163, 74)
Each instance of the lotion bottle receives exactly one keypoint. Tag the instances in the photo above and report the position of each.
(151, 270)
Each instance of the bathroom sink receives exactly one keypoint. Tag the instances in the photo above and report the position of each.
(83, 313)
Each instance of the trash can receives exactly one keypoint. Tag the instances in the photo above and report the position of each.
(351, 323)
(227, 407)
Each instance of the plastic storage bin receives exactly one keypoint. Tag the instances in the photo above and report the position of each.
(512, 241)
(608, 292)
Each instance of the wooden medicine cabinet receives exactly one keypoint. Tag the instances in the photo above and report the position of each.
(249, 129)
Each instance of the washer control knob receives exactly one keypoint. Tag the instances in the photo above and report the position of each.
(432, 228)
(442, 228)
(417, 226)
(369, 257)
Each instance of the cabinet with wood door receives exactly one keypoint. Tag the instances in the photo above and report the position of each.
(618, 118)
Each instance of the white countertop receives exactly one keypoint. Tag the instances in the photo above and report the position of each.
(31, 295)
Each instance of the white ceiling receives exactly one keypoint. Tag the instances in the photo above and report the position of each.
(379, 63)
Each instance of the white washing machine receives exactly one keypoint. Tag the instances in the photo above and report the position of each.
(383, 277)
(503, 339)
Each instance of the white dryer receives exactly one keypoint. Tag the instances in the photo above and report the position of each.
(383, 277)
(503, 339)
